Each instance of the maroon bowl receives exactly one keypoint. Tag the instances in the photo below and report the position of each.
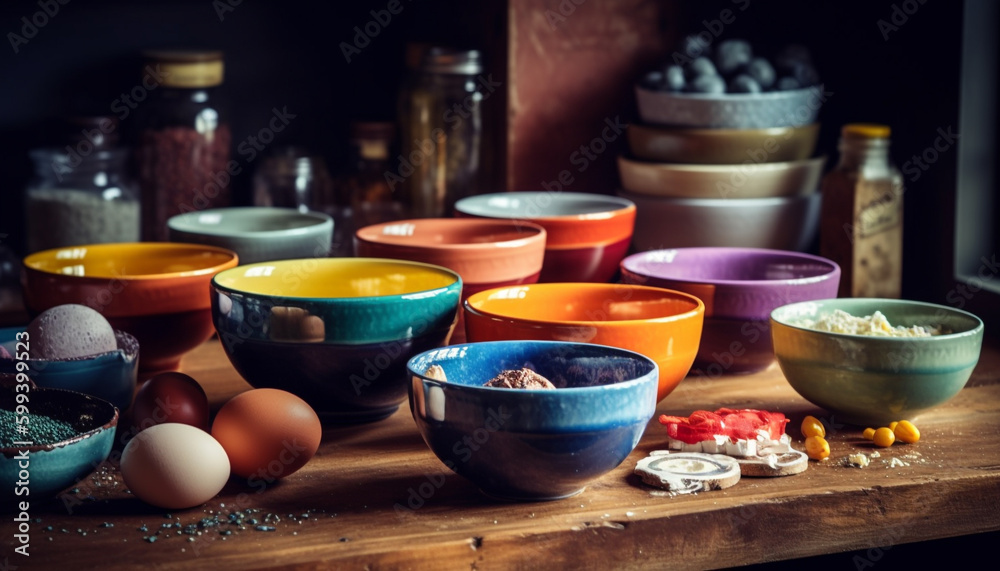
(740, 287)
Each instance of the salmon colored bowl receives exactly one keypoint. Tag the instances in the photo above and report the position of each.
(587, 235)
(661, 324)
(158, 292)
(486, 253)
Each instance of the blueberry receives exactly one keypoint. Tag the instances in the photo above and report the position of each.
(743, 83)
(674, 78)
(652, 80)
(761, 71)
(790, 55)
(695, 46)
(707, 84)
(787, 83)
(806, 74)
(730, 55)
(700, 67)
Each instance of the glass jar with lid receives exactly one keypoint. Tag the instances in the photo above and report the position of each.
(183, 137)
(82, 193)
(441, 121)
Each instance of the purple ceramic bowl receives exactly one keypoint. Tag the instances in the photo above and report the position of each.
(740, 287)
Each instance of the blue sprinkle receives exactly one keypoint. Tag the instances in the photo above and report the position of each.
(265, 528)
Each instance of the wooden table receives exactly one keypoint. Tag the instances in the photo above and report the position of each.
(362, 496)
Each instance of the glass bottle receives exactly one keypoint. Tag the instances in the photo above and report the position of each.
(82, 193)
(183, 140)
(292, 177)
(862, 217)
(441, 131)
(365, 187)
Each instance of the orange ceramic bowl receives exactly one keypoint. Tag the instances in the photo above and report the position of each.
(662, 324)
(486, 253)
(156, 291)
(586, 234)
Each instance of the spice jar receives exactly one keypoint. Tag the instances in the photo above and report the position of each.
(291, 177)
(369, 195)
(183, 141)
(862, 216)
(82, 193)
(441, 122)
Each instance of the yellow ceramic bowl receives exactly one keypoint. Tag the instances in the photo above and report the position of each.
(158, 292)
(722, 146)
(739, 180)
(661, 324)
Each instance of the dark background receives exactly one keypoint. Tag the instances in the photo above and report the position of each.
(287, 54)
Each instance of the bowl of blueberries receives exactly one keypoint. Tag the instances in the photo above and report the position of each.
(729, 86)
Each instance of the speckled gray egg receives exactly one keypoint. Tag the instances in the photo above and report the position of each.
(69, 331)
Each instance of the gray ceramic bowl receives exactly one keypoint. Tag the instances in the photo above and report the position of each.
(781, 223)
(732, 110)
(257, 233)
(873, 380)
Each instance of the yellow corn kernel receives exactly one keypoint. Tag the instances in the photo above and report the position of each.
(811, 426)
(868, 434)
(906, 432)
(884, 437)
(817, 447)
(892, 425)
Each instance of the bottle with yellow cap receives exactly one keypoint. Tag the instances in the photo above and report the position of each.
(862, 220)
(183, 137)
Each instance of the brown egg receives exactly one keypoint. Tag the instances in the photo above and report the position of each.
(268, 434)
(170, 397)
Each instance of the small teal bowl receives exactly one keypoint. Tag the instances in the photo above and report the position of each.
(110, 376)
(868, 380)
(337, 332)
(531, 444)
(53, 467)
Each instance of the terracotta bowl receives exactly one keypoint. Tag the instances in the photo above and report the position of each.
(486, 253)
(337, 332)
(740, 287)
(157, 292)
(661, 324)
(587, 235)
(783, 223)
(722, 146)
(740, 180)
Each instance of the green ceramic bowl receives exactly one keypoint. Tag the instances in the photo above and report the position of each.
(337, 332)
(54, 466)
(870, 380)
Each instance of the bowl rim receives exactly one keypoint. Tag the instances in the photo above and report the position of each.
(456, 284)
(120, 335)
(110, 424)
(538, 234)
(976, 331)
(699, 308)
(623, 205)
(834, 268)
(654, 372)
(181, 222)
(30, 261)
(673, 131)
(763, 97)
(726, 202)
(757, 168)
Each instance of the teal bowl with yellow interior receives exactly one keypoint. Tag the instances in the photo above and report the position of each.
(335, 331)
(864, 375)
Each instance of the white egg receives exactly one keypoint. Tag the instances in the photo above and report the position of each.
(174, 466)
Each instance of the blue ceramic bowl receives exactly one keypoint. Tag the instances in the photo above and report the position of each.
(875, 380)
(57, 465)
(337, 332)
(518, 444)
(110, 376)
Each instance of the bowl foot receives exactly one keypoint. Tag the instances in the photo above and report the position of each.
(360, 417)
(529, 497)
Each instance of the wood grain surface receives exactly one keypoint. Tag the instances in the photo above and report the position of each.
(375, 497)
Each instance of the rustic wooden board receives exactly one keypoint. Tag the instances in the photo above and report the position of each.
(357, 489)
